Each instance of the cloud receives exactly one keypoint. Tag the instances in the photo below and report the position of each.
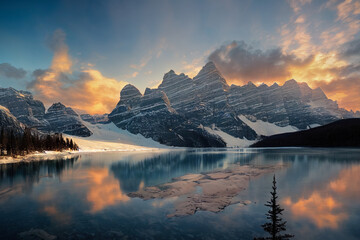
(351, 48)
(241, 63)
(61, 61)
(10, 71)
(296, 5)
(345, 90)
(86, 90)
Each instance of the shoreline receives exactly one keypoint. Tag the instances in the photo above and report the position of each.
(54, 155)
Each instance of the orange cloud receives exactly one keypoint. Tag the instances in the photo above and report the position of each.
(317, 59)
(104, 190)
(86, 90)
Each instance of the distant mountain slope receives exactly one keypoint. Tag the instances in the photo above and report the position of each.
(9, 122)
(65, 120)
(203, 111)
(342, 133)
(236, 114)
(23, 106)
(152, 116)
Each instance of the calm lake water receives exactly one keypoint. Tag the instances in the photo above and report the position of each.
(86, 197)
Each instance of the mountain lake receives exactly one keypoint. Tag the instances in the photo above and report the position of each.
(182, 194)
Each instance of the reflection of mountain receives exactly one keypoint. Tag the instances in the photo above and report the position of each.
(31, 172)
(162, 168)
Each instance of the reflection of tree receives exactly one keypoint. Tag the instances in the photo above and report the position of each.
(31, 172)
(162, 168)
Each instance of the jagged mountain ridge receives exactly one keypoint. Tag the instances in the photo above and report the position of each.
(208, 101)
(181, 110)
(65, 120)
(152, 116)
(9, 122)
(22, 105)
(31, 113)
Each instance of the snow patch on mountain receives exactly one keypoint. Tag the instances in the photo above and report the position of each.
(228, 139)
(108, 137)
(266, 128)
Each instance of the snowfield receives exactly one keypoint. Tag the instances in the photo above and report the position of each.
(228, 139)
(266, 128)
(108, 137)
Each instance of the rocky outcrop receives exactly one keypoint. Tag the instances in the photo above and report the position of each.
(96, 118)
(30, 112)
(152, 116)
(8, 122)
(65, 120)
(203, 100)
(23, 106)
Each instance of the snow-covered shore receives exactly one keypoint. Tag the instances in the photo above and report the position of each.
(105, 138)
(38, 156)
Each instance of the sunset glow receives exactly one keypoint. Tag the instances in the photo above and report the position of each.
(89, 62)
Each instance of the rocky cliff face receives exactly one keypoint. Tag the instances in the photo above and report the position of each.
(293, 104)
(96, 118)
(65, 120)
(207, 100)
(204, 101)
(25, 109)
(152, 116)
(9, 121)
(22, 105)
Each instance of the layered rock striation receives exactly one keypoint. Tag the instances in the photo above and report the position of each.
(22, 105)
(64, 120)
(151, 115)
(208, 101)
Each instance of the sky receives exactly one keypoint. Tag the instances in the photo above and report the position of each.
(82, 53)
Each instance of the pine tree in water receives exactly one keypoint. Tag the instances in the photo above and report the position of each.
(276, 225)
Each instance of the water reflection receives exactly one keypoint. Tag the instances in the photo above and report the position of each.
(104, 189)
(32, 172)
(162, 168)
(324, 211)
(88, 195)
(325, 205)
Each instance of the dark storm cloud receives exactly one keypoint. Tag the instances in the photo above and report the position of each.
(239, 60)
(10, 71)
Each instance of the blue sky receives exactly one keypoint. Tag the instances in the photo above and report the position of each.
(138, 41)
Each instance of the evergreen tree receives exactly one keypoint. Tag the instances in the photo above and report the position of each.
(71, 145)
(15, 143)
(276, 225)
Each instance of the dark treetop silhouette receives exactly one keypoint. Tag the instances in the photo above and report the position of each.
(276, 225)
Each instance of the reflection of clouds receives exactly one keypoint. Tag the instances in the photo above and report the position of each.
(325, 212)
(48, 199)
(57, 215)
(159, 203)
(328, 211)
(104, 190)
(346, 183)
